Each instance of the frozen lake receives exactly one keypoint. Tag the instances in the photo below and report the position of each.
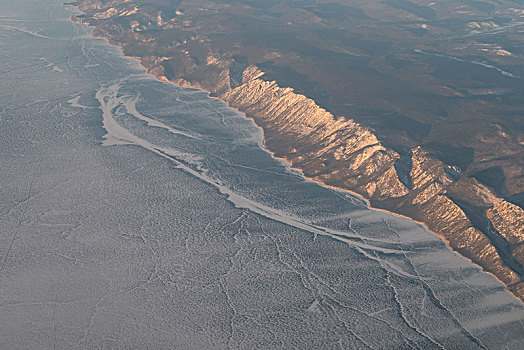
(137, 214)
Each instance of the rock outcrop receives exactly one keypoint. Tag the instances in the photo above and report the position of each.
(336, 151)
(339, 152)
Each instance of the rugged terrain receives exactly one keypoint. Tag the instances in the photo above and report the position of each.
(416, 105)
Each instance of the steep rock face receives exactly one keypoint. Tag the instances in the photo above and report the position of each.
(468, 215)
(339, 152)
(506, 217)
(428, 176)
(508, 220)
(445, 217)
(336, 151)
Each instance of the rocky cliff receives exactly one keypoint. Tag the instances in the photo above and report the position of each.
(397, 173)
(339, 152)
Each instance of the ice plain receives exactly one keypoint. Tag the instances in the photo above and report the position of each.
(136, 214)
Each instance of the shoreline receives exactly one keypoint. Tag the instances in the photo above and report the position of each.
(371, 207)
(288, 163)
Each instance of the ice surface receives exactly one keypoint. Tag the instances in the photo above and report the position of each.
(136, 214)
